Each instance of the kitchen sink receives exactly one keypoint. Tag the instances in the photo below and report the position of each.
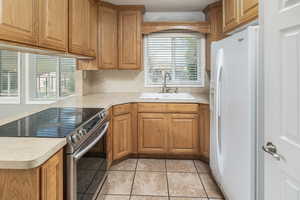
(179, 96)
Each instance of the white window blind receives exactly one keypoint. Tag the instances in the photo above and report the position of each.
(9, 77)
(50, 78)
(67, 76)
(180, 54)
(43, 77)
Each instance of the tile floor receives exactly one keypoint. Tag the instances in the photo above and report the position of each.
(159, 179)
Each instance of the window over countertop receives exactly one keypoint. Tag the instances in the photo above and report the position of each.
(182, 55)
(35, 79)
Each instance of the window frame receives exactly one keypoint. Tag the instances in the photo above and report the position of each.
(28, 100)
(201, 60)
(29, 63)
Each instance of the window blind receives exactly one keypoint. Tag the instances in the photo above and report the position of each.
(9, 74)
(179, 54)
(45, 77)
(67, 76)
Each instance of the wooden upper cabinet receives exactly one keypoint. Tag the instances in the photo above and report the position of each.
(152, 133)
(19, 21)
(238, 12)
(122, 140)
(52, 178)
(248, 10)
(230, 15)
(108, 37)
(130, 39)
(83, 27)
(53, 24)
(214, 15)
(184, 134)
(93, 28)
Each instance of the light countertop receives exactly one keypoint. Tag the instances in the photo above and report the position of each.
(26, 153)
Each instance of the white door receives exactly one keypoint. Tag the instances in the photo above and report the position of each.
(281, 39)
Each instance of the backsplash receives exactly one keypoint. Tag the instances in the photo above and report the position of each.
(125, 81)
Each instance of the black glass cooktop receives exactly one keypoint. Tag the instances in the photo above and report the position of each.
(53, 122)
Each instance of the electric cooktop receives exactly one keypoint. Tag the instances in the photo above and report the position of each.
(53, 122)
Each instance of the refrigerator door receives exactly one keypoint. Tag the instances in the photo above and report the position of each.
(238, 110)
(215, 91)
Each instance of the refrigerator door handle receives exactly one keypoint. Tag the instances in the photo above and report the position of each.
(220, 74)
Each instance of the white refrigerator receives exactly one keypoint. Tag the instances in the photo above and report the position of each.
(233, 114)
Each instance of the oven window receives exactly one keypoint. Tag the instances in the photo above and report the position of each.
(91, 171)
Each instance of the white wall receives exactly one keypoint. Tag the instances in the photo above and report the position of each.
(126, 81)
(174, 16)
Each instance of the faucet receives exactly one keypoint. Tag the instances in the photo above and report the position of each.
(164, 88)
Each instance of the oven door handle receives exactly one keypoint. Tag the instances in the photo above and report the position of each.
(79, 154)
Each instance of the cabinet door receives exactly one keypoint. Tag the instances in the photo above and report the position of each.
(82, 27)
(130, 39)
(121, 136)
(53, 24)
(230, 15)
(52, 178)
(108, 51)
(18, 21)
(109, 140)
(93, 28)
(183, 134)
(204, 130)
(152, 133)
(20, 184)
(248, 10)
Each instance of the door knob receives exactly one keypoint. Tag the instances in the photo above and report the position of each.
(271, 149)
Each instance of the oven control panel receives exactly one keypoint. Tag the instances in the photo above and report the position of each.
(83, 132)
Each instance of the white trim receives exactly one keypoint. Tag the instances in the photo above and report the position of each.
(10, 100)
(260, 108)
(201, 60)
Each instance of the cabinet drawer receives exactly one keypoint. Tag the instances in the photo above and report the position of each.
(182, 108)
(168, 108)
(152, 107)
(121, 109)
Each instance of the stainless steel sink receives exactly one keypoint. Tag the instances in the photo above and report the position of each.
(171, 96)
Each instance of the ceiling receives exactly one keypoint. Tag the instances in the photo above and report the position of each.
(167, 5)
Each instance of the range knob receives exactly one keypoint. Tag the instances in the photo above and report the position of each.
(81, 132)
(102, 115)
(75, 138)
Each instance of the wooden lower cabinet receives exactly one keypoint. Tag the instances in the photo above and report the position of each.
(41, 183)
(204, 131)
(152, 133)
(122, 137)
(52, 178)
(178, 130)
(183, 134)
(168, 134)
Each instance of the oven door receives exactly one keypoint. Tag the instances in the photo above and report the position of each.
(86, 167)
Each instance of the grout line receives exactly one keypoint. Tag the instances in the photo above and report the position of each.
(137, 161)
(203, 186)
(167, 179)
(201, 180)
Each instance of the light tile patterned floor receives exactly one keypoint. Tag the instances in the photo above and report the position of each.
(159, 179)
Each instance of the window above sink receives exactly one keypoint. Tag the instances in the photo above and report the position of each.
(182, 55)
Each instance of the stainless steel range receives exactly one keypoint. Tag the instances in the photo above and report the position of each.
(85, 131)
(86, 169)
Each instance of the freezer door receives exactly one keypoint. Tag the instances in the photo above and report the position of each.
(238, 107)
